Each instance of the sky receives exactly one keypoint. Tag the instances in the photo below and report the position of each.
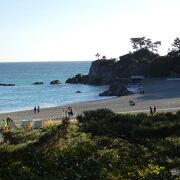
(67, 30)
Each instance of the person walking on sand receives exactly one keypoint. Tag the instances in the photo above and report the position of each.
(34, 109)
(38, 109)
(154, 109)
(151, 111)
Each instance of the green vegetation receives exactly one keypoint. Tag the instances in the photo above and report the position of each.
(159, 66)
(97, 55)
(176, 44)
(145, 60)
(142, 42)
(102, 145)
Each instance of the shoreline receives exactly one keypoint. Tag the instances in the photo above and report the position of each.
(65, 104)
(55, 112)
(163, 94)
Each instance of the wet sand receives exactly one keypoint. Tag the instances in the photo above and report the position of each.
(164, 94)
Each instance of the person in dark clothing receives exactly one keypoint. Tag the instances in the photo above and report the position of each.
(71, 112)
(38, 109)
(154, 109)
(34, 109)
(151, 110)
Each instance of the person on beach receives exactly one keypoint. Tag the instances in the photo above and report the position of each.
(154, 109)
(34, 109)
(131, 103)
(71, 112)
(141, 91)
(151, 110)
(38, 109)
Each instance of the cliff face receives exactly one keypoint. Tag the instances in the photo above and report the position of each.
(101, 72)
(109, 71)
(105, 72)
(118, 73)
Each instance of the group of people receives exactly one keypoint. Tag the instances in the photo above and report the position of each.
(141, 92)
(7, 124)
(36, 109)
(152, 110)
(131, 103)
(68, 113)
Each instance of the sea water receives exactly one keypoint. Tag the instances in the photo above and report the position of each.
(24, 95)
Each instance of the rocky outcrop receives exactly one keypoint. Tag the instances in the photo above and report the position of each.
(79, 78)
(55, 82)
(38, 83)
(78, 92)
(7, 84)
(101, 72)
(116, 89)
(105, 72)
(108, 71)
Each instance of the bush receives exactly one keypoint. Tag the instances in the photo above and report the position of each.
(104, 145)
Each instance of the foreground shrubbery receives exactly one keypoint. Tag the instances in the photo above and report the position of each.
(103, 145)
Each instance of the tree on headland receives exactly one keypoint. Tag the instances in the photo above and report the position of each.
(104, 57)
(138, 43)
(176, 44)
(142, 42)
(154, 46)
(175, 51)
(97, 55)
(148, 42)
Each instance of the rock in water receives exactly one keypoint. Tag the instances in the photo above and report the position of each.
(38, 83)
(78, 92)
(7, 84)
(116, 89)
(79, 78)
(55, 82)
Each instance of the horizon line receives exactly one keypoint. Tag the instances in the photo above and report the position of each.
(46, 61)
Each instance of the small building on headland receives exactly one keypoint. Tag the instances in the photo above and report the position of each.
(174, 76)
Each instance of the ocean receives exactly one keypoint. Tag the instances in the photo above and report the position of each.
(25, 96)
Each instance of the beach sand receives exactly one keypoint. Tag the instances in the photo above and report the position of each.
(164, 94)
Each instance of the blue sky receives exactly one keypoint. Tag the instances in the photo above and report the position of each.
(60, 30)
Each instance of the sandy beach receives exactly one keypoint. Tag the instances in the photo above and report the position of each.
(164, 94)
